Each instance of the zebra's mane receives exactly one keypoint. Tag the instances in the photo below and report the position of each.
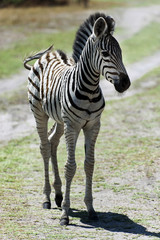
(84, 32)
(63, 56)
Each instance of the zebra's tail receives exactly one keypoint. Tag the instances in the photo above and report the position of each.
(36, 56)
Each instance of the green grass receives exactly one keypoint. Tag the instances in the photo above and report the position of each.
(142, 44)
(147, 78)
(126, 145)
(13, 57)
(129, 2)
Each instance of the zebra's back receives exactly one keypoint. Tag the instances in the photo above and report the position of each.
(45, 83)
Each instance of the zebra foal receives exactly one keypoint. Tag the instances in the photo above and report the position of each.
(68, 91)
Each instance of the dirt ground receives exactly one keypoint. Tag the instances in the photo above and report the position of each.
(17, 121)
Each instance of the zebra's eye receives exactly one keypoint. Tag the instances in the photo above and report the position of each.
(105, 54)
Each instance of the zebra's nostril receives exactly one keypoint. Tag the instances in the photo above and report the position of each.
(112, 81)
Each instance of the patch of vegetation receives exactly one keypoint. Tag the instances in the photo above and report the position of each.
(13, 56)
(129, 2)
(14, 98)
(152, 76)
(139, 46)
(144, 43)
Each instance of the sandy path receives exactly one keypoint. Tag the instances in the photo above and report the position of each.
(134, 19)
(18, 120)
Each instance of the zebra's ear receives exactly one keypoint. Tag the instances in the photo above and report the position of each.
(112, 25)
(100, 26)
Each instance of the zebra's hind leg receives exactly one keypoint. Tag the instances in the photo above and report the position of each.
(54, 137)
(91, 131)
(45, 149)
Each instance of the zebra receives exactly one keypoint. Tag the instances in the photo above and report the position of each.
(68, 91)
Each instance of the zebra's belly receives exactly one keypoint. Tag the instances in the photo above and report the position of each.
(88, 116)
(53, 110)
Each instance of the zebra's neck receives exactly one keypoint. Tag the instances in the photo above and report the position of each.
(87, 75)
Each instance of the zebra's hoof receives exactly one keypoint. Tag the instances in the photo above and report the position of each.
(47, 205)
(58, 199)
(64, 221)
(92, 215)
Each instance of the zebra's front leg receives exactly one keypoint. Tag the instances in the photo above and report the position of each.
(91, 131)
(71, 134)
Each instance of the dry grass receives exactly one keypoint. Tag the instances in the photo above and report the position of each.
(40, 16)
(19, 23)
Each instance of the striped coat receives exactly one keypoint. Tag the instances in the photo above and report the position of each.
(55, 85)
(67, 90)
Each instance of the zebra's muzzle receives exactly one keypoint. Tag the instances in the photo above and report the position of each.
(123, 84)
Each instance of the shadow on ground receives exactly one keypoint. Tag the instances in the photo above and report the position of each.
(112, 222)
